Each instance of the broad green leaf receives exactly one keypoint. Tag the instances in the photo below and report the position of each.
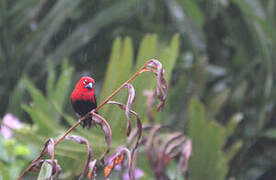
(45, 123)
(111, 75)
(118, 118)
(61, 92)
(169, 56)
(148, 49)
(112, 70)
(16, 98)
(207, 161)
(38, 98)
(196, 116)
(45, 171)
(126, 61)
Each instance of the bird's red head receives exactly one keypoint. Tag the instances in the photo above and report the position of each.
(84, 89)
(86, 83)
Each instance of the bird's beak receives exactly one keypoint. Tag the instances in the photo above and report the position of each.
(89, 85)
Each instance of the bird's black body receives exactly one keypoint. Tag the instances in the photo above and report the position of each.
(82, 107)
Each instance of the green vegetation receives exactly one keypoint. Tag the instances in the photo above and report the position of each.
(219, 57)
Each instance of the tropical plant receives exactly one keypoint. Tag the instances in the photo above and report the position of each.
(225, 61)
(47, 112)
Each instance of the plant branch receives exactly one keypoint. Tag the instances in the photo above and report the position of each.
(140, 71)
(30, 166)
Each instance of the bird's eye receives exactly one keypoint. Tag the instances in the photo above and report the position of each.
(84, 82)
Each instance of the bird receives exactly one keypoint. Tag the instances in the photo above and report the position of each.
(83, 99)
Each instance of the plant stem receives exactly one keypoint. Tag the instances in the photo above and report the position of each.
(30, 166)
(140, 71)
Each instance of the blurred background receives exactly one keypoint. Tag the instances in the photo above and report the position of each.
(219, 62)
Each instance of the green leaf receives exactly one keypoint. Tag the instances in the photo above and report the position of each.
(29, 134)
(45, 123)
(217, 102)
(45, 171)
(233, 150)
(37, 97)
(120, 69)
(169, 56)
(118, 119)
(63, 84)
(148, 49)
(22, 12)
(4, 171)
(9, 145)
(50, 80)
(21, 150)
(46, 29)
(111, 72)
(233, 123)
(207, 161)
(88, 30)
(186, 25)
(192, 7)
(16, 98)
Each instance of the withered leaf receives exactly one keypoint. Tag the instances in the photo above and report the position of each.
(82, 140)
(107, 131)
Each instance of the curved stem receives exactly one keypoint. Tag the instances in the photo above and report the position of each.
(140, 71)
(30, 166)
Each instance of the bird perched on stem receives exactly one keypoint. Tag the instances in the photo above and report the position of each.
(83, 98)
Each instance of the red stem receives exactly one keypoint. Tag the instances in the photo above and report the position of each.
(140, 71)
(30, 166)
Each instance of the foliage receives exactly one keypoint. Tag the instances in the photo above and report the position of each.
(43, 26)
(235, 65)
(208, 161)
(122, 58)
(226, 61)
(14, 157)
(46, 112)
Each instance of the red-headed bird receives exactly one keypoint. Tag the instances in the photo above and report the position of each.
(83, 98)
